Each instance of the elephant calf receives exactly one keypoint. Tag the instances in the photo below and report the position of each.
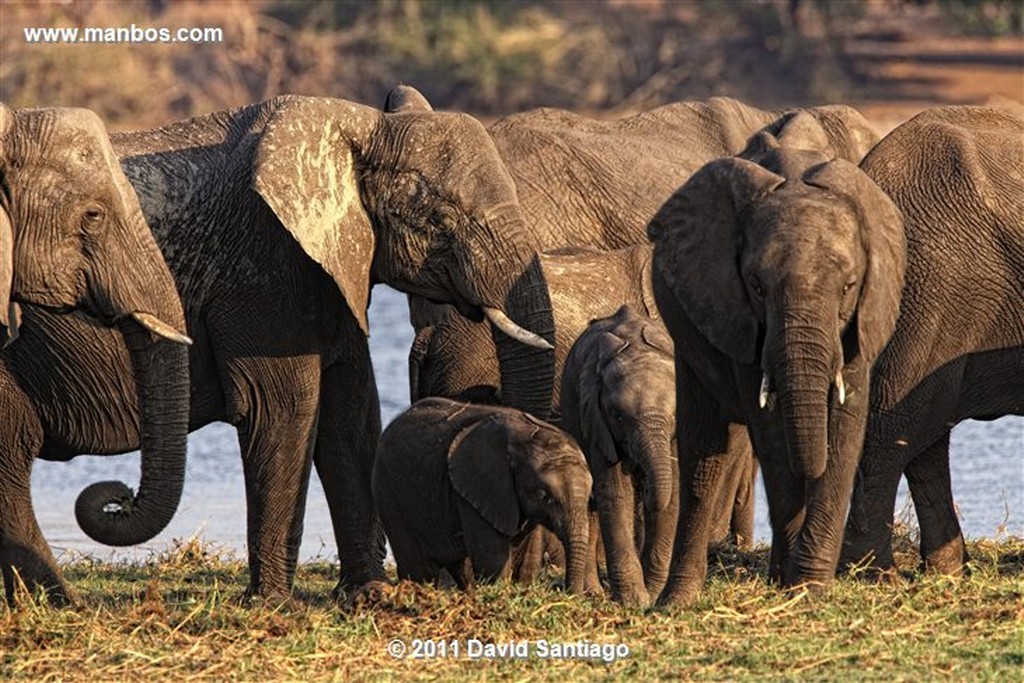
(454, 480)
(618, 400)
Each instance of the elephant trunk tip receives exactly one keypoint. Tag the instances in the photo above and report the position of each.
(108, 512)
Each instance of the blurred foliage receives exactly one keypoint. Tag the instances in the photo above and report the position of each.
(489, 57)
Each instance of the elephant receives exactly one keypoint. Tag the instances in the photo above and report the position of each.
(957, 176)
(88, 249)
(618, 401)
(275, 219)
(812, 272)
(74, 242)
(456, 359)
(454, 480)
(801, 266)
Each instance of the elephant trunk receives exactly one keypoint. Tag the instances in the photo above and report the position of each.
(804, 380)
(652, 450)
(527, 371)
(108, 512)
(576, 539)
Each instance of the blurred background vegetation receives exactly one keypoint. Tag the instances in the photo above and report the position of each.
(488, 57)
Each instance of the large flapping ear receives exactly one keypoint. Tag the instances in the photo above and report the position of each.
(480, 469)
(697, 236)
(884, 240)
(305, 170)
(405, 98)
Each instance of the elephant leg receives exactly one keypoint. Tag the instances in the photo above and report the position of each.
(276, 436)
(741, 525)
(704, 440)
(489, 550)
(613, 489)
(346, 446)
(785, 494)
(867, 539)
(24, 553)
(659, 535)
(942, 542)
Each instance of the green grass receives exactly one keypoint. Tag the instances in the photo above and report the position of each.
(179, 616)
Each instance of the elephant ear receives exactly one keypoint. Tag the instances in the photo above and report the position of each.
(480, 469)
(884, 240)
(646, 283)
(405, 98)
(657, 337)
(596, 439)
(304, 169)
(697, 237)
(9, 312)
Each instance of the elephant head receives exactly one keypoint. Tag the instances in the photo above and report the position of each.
(72, 235)
(419, 200)
(514, 469)
(71, 230)
(794, 266)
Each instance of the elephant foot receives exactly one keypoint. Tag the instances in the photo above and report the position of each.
(368, 595)
(678, 595)
(950, 558)
(633, 598)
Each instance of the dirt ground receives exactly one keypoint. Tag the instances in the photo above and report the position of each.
(909, 69)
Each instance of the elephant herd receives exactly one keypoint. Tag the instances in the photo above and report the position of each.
(618, 324)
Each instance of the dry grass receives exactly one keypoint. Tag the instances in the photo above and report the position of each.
(179, 617)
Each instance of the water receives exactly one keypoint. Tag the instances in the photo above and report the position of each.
(987, 468)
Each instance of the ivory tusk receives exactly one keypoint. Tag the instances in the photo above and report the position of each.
(762, 398)
(160, 328)
(841, 387)
(505, 324)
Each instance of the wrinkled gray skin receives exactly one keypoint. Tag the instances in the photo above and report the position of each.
(588, 182)
(275, 219)
(801, 266)
(456, 359)
(618, 400)
(957, 175)
(72, 235)
(454, 480)
(582, 181)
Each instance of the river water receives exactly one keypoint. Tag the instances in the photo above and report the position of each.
(987, 463)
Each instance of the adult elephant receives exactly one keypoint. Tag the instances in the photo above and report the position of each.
(72, 235)
(957, 175)
(275, 219)
(808, 256)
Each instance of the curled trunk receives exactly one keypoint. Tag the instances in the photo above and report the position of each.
(109, 512)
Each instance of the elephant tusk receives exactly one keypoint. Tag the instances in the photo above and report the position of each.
(160, 328)
(841, 387)
(762, 397)
(505, 324)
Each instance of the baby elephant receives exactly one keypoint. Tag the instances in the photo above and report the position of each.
(618, 400)
(454, 480)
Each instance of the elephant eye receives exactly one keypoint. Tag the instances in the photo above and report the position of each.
(93, 214)
(848, 286)
(755, 286)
